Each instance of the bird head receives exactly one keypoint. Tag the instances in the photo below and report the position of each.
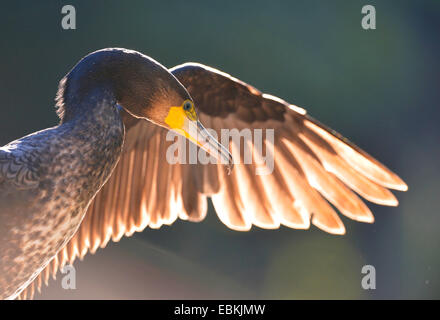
(146, 90)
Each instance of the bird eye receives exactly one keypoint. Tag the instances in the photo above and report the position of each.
(187, 106)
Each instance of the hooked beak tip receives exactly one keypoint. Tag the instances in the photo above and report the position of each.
(200, 136)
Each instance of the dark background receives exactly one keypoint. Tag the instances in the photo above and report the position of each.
(379, 88)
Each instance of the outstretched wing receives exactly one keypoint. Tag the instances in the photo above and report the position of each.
(313, 167)
(312, 162)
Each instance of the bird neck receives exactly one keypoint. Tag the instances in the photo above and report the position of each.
(97, 133)
(97, 115)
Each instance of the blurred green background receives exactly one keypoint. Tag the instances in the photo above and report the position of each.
(379, 88)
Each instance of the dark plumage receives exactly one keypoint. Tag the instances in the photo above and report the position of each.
(48, 179)
(67, 165)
